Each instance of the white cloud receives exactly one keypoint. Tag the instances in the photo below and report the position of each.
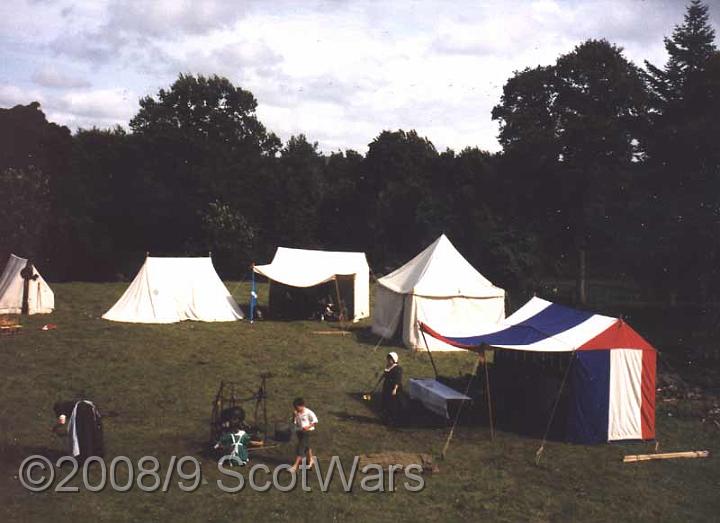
(339, 72)
(103, 104)
(11, 95)
(53, 76)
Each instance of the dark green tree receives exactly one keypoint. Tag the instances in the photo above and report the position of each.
(588, 110)
(395, 179)
(295, 191)
(34, 162)
(24, 218)
(683, 165)
(199, 142)
(691, 45)
(229, 235)
(342, 222)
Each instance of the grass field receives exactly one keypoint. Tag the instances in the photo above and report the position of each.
(158, 382)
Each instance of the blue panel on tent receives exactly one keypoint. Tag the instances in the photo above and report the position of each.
(550, 321)
(587, 420)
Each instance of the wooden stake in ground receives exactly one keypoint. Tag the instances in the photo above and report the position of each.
(634, 458)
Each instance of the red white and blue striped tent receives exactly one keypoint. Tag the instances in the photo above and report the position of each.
(612, 374)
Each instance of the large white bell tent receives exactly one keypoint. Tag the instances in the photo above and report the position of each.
(298, 277)
(169, 290)
(440, 287)
(593, 373)
(40, 298)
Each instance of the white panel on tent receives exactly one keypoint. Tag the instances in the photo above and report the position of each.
(307, 268)
(439, 287)
(625, 401)
(41, 299)
(168, 290)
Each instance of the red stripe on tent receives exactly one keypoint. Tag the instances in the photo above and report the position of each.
(647, 388)
(435, 334)
(618, 336)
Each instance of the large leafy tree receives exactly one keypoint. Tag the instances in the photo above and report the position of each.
(295, 191)
(34, 162)
(103, 194)
(200, 141)
(395, 178)
(469, 201)
(575, 127)
(25, 216)
(342, 222)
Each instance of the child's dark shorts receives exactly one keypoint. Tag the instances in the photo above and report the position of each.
(303, 443)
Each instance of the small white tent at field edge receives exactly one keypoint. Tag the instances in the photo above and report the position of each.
(169, 290)
(41, 299)
(438, 287)
(306, 268)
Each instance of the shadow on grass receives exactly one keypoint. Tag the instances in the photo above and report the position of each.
(15, 454)
(364, 334)
(412, 414)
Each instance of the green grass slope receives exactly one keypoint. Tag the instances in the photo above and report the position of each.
(159, 381)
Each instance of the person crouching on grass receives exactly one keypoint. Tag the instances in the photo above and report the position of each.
(305, 421)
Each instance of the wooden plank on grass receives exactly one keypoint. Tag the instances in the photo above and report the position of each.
(634, 458)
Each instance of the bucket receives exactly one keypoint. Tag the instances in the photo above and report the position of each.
(283, 432)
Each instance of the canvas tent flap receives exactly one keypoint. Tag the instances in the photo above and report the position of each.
(387, 312)
(169, 290)
(539, 326)
(307, 268)
(41, 299)
(440, 271)
(458, 315)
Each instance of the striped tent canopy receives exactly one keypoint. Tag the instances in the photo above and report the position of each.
(612, 378)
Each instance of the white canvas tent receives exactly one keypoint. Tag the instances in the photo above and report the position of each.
(438, 287)
(168, 290)
(308, 268)
(41, 299)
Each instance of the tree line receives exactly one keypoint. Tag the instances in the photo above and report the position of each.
(607, 168)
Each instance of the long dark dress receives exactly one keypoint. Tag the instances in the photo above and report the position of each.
(390, 402)
(88, 428)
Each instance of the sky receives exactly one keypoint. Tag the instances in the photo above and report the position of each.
(339, 72)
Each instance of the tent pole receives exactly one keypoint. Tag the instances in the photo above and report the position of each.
(489, 401)
(340, 307)
(540, 451)
(253, 294)
(432, 361)
(457, 414)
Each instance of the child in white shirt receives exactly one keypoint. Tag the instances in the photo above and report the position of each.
(305, 421)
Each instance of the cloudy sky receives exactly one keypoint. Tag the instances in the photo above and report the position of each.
(337, 71)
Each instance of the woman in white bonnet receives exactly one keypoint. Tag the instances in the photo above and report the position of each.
(392, 384)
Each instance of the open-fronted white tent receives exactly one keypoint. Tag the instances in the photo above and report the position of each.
(168, 290)
(438, 286)
(41, 299)
(303, 268)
